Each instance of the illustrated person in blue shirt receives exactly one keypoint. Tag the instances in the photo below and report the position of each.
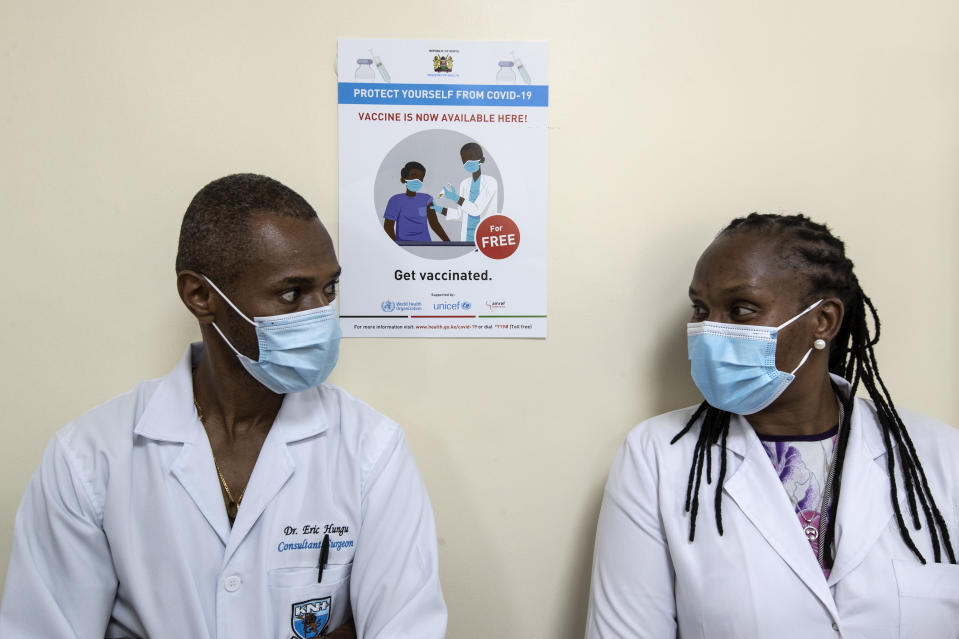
(477, 196)
(407, 214)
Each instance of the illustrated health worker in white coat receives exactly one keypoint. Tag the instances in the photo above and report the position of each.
(782, 506)
(477, 195)
(239, 496)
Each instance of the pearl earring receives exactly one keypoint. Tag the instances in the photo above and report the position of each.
(819, 344)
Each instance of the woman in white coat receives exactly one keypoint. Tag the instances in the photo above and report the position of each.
(821, 514)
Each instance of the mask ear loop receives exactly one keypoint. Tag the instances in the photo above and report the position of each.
(238, 353)
(778, 328)
(239, 312)
(805, 357)
(788, 322)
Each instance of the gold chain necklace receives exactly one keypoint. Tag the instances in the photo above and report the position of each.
(234, 504)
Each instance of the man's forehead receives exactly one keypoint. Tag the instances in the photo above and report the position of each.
(289, 245)
(276, 223)
(280, 231)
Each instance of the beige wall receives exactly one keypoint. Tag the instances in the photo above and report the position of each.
(667, 119)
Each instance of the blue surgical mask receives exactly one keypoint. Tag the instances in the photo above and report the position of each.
(414, 185)
(472, 166)
(734, 365)
(297, 350)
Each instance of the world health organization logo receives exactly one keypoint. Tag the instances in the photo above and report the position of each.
(465, 305)
(387, 306)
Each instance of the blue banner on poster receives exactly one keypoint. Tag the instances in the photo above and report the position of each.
(443, 94)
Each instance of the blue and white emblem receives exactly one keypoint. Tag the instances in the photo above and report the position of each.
(309, 618)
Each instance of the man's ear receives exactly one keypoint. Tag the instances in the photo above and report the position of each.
(197, 296)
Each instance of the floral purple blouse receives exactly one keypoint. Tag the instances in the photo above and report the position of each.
(803, 466)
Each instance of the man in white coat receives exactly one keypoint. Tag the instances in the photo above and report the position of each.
(477, 196)
(239, 496)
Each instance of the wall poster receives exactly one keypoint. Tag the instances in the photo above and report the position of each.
(443, 186)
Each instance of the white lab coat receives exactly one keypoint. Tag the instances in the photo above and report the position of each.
(761, 579)
(484, 205)
(123, 531)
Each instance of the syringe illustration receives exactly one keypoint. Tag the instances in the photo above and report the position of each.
(379, 67)
(521, 68)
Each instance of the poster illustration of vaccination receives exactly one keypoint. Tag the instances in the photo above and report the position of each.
(443, 185)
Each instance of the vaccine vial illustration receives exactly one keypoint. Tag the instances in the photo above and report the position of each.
(364, 70)
(521, 68)
(506, 73)
(379, 67)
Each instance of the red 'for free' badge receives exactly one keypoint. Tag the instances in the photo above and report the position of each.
(497, 237)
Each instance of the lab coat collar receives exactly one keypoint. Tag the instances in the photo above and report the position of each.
(865, 507)
(860, 520)
(864, 429)
(170, 415)
(758, 492)
(302, 415)
(741, 433)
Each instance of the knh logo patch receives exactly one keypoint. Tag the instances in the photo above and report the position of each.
(310, 618)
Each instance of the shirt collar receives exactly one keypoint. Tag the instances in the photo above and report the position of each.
(170, 415)
(862, 430)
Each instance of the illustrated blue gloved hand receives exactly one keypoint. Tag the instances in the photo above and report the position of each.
(450, 194)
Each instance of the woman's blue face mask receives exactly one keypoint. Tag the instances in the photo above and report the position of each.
(414, 185)
(734, 365)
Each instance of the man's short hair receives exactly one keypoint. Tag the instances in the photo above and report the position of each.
(215, 234)
(405, 171)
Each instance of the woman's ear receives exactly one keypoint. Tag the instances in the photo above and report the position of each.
(829, 317)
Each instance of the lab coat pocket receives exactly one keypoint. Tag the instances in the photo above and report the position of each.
(928, 600)
(304, 608)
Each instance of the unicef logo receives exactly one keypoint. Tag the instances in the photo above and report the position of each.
(466, 305)
(387, 306)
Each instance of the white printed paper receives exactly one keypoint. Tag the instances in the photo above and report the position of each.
(443, 185)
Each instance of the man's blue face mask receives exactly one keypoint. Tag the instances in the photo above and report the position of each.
(414, 185)
(472, 166)
(297, 350)
(734, 365)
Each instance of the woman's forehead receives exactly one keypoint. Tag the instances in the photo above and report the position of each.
(737, 260)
